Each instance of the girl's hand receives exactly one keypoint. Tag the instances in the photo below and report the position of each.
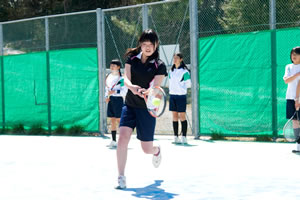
(297, 105)
(135, 89)
(143, 91)
(106, 100)
(111, 92)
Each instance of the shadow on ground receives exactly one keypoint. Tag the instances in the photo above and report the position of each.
(152, 192)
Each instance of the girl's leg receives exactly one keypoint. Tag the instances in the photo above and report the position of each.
(113, 128)
(175, 123)
(297, 135)
(296, 128)
(295, 124)
(148, 148)
(124, 138)
(182, 116)
(183, 123)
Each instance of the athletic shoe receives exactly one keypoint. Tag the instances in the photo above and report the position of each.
(184, 140)
(296, 151)
(156, 160)
(113, 144)
(121, 183)
(176, 140)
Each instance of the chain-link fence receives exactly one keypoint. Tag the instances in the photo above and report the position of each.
(242, 62)
(51, 68)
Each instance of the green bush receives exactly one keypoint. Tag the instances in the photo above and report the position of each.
(76, 130)
(217, 136)
(37, 129)
(60, 130)
(19, 128)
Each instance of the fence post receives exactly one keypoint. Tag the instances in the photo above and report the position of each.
(272, 8)
(145, 17)
(48, 74)
(101, 70)
(2, 77)
(193, 7)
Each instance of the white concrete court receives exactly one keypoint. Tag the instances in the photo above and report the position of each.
(83, 168)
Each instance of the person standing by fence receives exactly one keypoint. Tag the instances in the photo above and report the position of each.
(179, 81)
(292, 78)
(115, 90)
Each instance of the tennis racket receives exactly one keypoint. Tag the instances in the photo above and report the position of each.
(290, 126)
(155, 99)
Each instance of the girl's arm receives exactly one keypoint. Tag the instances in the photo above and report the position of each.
(187, 79)
(291, 78)
(158, 79)
(127, 81)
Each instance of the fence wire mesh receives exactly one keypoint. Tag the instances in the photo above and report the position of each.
(171, 21)
(73, 31)
(122, 29)
(24, 37)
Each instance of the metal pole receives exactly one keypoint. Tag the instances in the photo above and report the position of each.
(48, 74)
(145, 17)
(273, 67)
(272, 14)
(2, 77)
(193, 7)
(101, 70)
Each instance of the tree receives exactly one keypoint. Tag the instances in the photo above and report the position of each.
(244, 16)
(20, 9)
(210, 11)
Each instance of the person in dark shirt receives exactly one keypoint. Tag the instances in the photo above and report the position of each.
(143, 70)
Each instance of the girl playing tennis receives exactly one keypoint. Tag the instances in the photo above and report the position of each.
(115, 90)
(179, 81)
(292, 78)
(143, 69)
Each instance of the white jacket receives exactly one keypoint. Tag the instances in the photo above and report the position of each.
(290, 70)
(179, 81)
(116, 83)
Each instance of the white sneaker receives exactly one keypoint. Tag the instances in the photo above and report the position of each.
(156, 160)
(113, 144)
(176, 140)
(183, 140)
(121, 183)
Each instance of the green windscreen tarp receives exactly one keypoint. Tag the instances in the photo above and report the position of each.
(236, 82)
(74, 89)
(1, 110)
(25, 89)
(286, 40)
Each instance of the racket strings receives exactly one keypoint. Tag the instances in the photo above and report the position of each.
(157, 94)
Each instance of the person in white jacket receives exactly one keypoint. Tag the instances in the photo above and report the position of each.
(292, 78)
(179, 81)
(115, 91)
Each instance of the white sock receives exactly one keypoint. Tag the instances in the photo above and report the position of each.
(298, 147)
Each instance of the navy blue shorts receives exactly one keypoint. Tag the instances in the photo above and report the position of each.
(141, 119)
(290, 109)
(177, 103)
(114, 107)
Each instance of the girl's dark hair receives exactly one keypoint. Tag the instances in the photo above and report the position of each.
(118, 63)
(147, 36)
(182, 64)
(295, 50)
